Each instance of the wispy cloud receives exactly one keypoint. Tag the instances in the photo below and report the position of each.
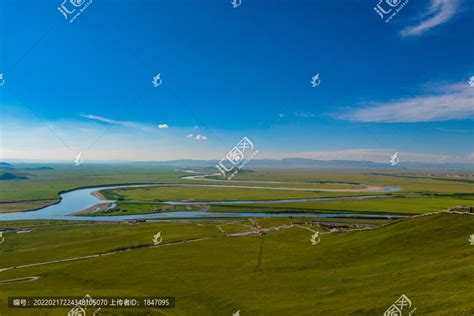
(439, 12)
(163, 126)
(448, 102)
(304, 114)
(189, 135)
(116, 122)
(451, 130)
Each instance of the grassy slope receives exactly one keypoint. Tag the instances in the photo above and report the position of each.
(429, 259)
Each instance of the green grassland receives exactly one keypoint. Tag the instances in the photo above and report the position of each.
(212, 194)
(42, 187)
(413, 184)
(46, 184)
(400, 205)
(279, 273)
(142, 208)
(412, 205)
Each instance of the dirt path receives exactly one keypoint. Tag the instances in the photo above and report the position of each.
(101, 254)
(258, 267)
(20, 280)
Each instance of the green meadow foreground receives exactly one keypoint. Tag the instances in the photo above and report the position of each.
(428, 258)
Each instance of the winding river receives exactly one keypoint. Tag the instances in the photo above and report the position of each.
(82, 198)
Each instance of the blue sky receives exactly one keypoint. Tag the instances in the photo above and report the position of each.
(227, 73)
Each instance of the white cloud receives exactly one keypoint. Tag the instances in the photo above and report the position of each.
(200, 137)
(163, 126)
(115, 122)
(439, 12)
(452, 102)
(189, 135)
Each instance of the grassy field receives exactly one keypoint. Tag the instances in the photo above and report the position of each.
(416, 182)
(212, 194)
(143, 208)
(353, 273)
(412, 205)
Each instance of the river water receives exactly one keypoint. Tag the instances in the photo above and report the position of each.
(81, 199)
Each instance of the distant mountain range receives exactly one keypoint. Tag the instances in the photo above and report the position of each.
(5, 165)
(11, 176)
(287, 163)
(312, 163)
